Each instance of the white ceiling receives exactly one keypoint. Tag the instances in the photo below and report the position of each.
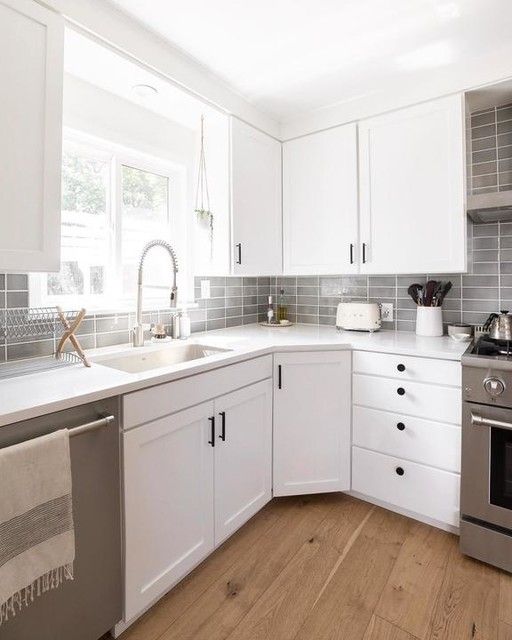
(290, 57)
(102, 67)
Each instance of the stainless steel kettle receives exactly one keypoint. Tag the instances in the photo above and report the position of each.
(499, 326)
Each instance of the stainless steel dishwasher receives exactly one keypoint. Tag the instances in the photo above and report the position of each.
(90, 605)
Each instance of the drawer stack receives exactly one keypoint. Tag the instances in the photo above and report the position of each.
(406, 433)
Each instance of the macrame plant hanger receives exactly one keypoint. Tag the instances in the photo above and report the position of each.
(202, 209)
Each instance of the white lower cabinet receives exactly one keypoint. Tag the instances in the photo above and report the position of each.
(433, 443)
(168, 488)
(243, 456)
(190, 480)
(414, 487)
(311, 422)
(406, 434)
(435, 402)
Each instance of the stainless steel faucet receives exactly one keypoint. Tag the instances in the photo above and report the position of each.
(138, 329)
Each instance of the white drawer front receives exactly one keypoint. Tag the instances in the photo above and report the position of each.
(423, 490)
(432, 443)
(446, 372)
(431, 402)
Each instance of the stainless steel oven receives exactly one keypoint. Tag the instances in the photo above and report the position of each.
(486, 474)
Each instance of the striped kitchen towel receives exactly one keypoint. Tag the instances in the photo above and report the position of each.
(37, 538)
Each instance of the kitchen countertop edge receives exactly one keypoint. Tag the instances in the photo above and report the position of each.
(62, 389)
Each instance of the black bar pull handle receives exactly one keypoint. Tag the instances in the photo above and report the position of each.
(279, 376)
(351, 253)
(212, 422)
(239, 251)
(222, 436)
(364, 252)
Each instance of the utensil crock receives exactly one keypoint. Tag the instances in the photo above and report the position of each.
(429, 321)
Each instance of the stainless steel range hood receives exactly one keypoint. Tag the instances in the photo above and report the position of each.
(490, 207)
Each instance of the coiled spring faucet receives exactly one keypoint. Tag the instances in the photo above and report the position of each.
(138, 330)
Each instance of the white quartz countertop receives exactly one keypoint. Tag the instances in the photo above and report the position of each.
(32, 395)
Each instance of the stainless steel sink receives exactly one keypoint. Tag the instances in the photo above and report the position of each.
(137, 361)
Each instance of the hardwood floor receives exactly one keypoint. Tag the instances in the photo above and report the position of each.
(332, 567)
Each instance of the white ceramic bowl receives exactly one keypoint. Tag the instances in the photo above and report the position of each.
(460, 337)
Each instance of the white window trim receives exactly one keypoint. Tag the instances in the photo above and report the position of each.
(118, 156)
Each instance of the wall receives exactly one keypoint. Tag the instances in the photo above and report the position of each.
(124, 34)
(487, 287)
(96, 330)
(91, 110)
(491, 150)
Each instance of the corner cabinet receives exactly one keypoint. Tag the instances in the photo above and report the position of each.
(312, 402)
(320, 203)
(31, 73)
(255, 201)
(412, 189)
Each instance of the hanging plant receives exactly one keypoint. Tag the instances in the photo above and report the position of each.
(202, 209)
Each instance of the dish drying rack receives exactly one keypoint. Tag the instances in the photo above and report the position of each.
(23, 323)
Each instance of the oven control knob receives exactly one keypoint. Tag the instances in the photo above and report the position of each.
(494, 386)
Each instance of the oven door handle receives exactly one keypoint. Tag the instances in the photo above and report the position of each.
(480, 421)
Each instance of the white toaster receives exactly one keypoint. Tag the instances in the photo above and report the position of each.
(359, 316)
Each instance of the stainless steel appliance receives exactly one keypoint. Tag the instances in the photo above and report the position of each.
(499, 326)
(486, 475)
(90, 605)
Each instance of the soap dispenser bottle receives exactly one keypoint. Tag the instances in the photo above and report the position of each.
(184, 325)
(270, 311)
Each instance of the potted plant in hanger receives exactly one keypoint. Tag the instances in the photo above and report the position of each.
(202, 209)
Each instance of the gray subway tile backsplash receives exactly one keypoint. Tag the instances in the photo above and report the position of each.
(235, 301)
(491, 140)
(313, 299)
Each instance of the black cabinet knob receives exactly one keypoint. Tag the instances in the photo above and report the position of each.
(400, 391)
(399, 471)
(401, 367)
(400, 426)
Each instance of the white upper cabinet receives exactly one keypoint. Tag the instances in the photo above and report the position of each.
(31, 72)
(320, 207)
(412, 189)
(256, 201)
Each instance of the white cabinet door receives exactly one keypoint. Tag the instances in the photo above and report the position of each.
(168, 488)
(320, 202)
(243, 456)
(412, 189)
(311, 422)
(256, 201)
(31, 72)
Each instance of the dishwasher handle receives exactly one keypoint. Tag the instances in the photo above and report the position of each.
(480, 421)
(90, 426)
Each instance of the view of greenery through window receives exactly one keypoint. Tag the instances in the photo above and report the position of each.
(144, 217)
(101, 242)
(85, 186)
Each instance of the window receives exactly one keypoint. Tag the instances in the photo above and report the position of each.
(113, 202)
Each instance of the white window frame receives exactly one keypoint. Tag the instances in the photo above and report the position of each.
(119, 156)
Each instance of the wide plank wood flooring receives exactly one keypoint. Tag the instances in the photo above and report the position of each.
(332, 567)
